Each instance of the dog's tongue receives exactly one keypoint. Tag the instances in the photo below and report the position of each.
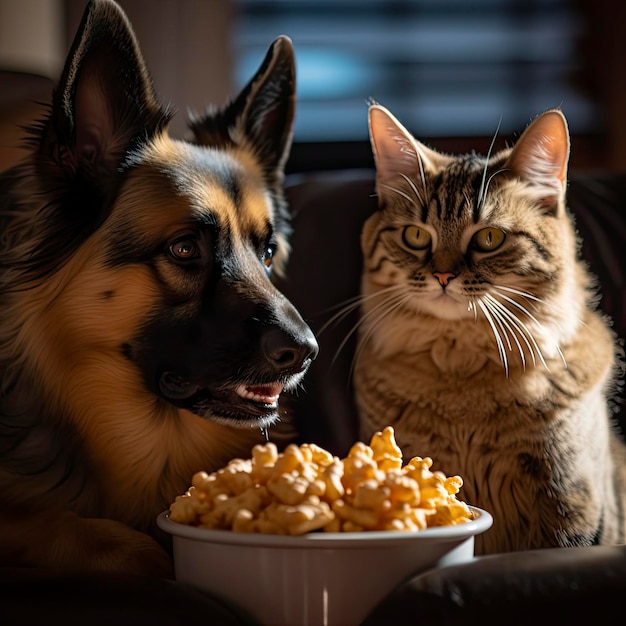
(267, 394)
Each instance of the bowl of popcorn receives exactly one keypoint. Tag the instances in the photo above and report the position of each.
(305, 537)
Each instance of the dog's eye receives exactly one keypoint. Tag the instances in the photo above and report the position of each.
(268, 257)
(185, 249)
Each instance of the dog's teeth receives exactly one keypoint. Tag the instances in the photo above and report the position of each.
(267, 394)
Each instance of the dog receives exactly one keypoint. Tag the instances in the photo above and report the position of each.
(142, 336)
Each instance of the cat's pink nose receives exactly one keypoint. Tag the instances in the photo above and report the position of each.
(444, 277)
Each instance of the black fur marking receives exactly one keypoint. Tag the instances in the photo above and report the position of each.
(129, 245)
(530, 465)
(126, 350)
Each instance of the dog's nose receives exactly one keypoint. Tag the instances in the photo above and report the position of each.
(286, 351)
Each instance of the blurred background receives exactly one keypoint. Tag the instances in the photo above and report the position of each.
(452, 71)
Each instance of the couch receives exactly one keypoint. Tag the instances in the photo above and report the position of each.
(571, 586)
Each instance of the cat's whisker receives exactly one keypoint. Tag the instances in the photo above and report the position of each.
(528, 296)
(523, 328)
(390, 305)
(395, 301)
(524, 294)
(471, 306)
(414, 188)
(500, 344)
(524, 333)
(342, 345)
(490, 179)
(558, 349)
(421, 166)
(482, 191)
(347, 306)
(468, 201)
(354, 304)
(400, 192)
(510, 321)
(521, 307)
(497, 318)
(532, 317)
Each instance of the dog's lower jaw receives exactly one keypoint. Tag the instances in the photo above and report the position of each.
(228, 415)
(265, 394)
(239, 405)
(241, 411)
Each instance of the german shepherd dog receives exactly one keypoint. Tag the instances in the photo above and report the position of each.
(141, 336)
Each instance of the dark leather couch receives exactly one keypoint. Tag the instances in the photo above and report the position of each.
(569, 586)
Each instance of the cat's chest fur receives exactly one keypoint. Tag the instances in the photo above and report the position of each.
(440, 386)
(444, 388)
(521, 442)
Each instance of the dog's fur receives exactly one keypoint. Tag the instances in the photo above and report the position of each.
(141, 336)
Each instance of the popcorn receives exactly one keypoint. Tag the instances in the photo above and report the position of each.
(306, 489)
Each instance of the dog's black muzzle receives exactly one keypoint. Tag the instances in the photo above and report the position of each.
(230, 361)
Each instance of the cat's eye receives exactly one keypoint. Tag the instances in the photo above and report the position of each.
(488, 239)
(416, 238)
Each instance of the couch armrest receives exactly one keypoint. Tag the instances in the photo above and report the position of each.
(553, 586)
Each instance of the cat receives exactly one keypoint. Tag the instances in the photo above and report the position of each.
(479, 337)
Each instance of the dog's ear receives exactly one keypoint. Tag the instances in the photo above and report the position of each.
(105, 103)
(261, 117)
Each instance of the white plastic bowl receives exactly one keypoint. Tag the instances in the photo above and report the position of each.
(319, 579)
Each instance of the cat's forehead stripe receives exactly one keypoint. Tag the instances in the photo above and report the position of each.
(459, 199)
(455, 185)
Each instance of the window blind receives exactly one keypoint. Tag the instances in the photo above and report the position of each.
(443, 67)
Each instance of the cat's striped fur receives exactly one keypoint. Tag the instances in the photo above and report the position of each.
(480, 342)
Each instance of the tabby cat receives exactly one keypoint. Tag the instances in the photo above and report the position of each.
(479, 337)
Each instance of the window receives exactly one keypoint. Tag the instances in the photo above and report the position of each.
(445, 68)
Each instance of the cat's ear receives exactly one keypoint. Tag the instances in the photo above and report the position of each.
(396, 151)
(540, 157)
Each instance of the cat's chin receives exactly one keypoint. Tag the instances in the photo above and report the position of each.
(447, 308)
